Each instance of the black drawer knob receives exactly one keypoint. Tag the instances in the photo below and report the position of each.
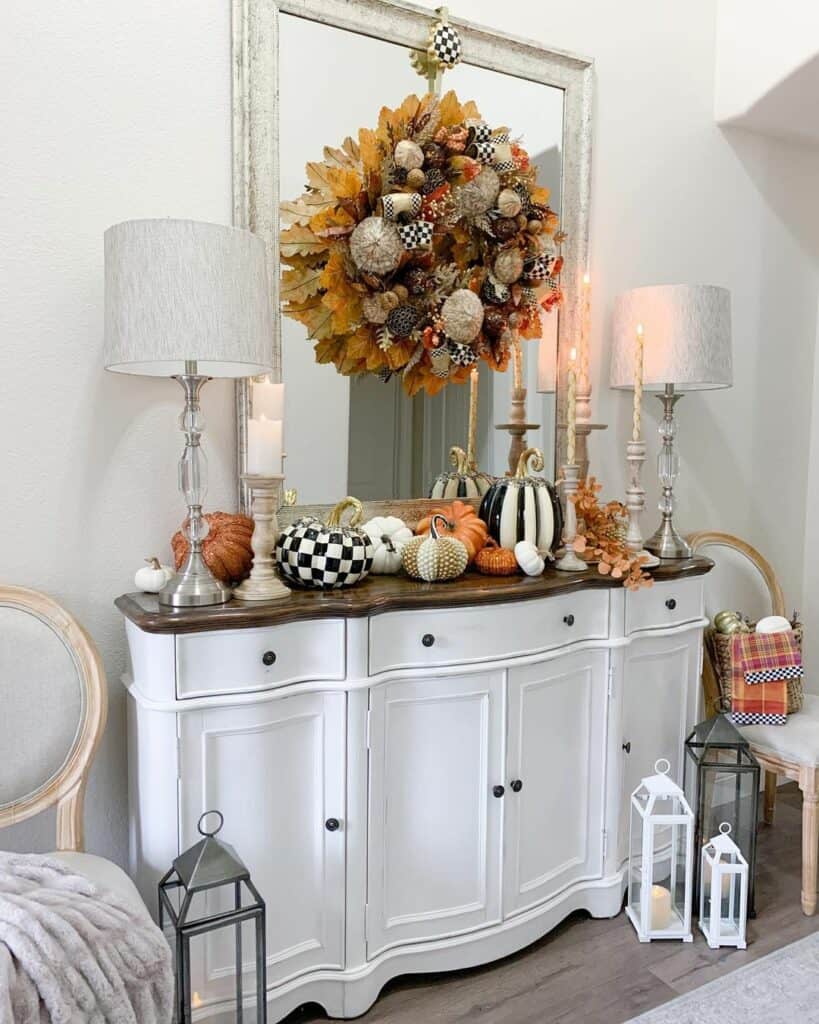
(569, 620)
(671, 604)
(332, 824)
(497, 791)
(269, 658)
(427, 639)
(517, 786)
(627, 746)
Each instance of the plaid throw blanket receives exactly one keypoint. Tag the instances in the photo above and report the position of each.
(762, 663)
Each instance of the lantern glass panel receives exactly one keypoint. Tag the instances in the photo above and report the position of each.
(722, 785)
(635, 880)
(668, 875)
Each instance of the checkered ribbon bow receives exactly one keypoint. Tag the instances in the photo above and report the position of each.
(762, 664)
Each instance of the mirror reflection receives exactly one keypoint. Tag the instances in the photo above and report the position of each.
(359, 435)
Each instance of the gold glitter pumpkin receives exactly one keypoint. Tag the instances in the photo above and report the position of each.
(376, 246)
(434, 556)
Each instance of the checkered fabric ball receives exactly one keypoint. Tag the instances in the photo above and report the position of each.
(462, 355)
(311, 554)
(417, 234)
(447, 45)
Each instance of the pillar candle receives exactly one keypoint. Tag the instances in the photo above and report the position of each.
(268, 399)
(638, 386)
(571, 416)
(264, 446)
(660, 908)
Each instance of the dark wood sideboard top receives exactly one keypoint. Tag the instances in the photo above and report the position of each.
(380, 594)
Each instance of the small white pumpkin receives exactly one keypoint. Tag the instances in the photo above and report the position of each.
(529, 558)
(389, 534)
(151, 578)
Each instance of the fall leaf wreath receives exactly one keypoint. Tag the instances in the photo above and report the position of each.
(421, 248)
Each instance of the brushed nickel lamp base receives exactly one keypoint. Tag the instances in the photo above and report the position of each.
(194, 586)
(666, 542)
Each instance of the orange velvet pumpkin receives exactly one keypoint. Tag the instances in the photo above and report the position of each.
(226, 549)
(494, 560)
(462, 522)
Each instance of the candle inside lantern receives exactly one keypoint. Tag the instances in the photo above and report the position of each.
(571, 413)
(660, 908)
(264, 446)
(268, 399)
(636, 419)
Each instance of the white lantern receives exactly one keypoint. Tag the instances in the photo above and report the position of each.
(661, 859)
(723, 891)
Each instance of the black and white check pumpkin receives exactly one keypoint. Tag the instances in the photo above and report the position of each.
(447, 44)
(320, 555)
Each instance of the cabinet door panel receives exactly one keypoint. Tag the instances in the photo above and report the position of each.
(660, 685)
(435, 755)
(276, 771)
(556, 748)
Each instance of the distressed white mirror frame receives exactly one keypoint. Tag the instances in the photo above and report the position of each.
(255, 141)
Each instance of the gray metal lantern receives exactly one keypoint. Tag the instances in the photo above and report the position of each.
(724, 786)
(208, 865)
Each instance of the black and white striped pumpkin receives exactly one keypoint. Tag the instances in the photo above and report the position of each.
(523, 507)
(465, 482)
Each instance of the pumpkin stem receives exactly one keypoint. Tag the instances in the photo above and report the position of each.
(536, 455)
(458, 459)
(153, 561)
(341, 508)
(433, 526)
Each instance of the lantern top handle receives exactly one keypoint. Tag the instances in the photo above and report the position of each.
(662, 761)
(206, 832)
(725, 828)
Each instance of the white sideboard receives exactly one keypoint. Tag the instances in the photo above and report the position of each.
(419, 777)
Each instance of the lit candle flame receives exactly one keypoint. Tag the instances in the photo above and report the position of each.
(639, 330)
(586, 279)
(196, 1001)
(572, 354)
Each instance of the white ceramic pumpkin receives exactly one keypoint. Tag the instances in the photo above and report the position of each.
(151, 578)
(529, 558)
(388, 534)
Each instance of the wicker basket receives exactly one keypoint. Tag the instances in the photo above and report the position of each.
(719, 650)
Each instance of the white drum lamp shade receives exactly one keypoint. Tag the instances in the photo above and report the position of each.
(687, 337)
(178, 291)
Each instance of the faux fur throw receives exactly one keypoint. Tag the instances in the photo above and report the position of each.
(73, 953)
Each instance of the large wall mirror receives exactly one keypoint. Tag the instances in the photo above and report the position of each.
(359, 435)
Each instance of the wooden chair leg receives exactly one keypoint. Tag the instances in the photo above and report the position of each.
(769, 804)
(809, 784)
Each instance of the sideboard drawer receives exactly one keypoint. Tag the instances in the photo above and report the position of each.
(258, 659)
(419, 639)
(665, 604)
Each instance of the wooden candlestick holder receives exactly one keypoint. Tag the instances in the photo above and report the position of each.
(517, 428)
(636, 501)
(570, 560)
(263, 584)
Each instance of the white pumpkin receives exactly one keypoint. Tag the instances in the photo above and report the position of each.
(389, 534)
(529, 558)
(151, 578)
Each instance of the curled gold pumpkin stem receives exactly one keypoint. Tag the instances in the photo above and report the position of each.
(433, 526)
(346, 503)
(536, 455)
(458, 458)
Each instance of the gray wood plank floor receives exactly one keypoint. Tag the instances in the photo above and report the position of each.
(591, 971)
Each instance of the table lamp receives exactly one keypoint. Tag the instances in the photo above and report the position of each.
(187, 300)
(686, 332)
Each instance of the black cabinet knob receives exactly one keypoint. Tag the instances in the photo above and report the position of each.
(627, 746)
(269, 658)
(569, 620)
(671, 604)
(497, 791)
(427, 639)
(517, 786)
(332, 824)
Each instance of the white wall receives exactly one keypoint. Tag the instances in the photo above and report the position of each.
(121, 110)
(107, 111)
